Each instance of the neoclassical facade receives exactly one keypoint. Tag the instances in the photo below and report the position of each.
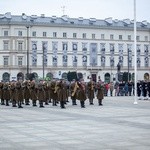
(53, 46)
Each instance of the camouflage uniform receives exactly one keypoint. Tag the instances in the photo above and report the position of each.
(33, 93)
(6, 93)
(13, 94)
(100, 92)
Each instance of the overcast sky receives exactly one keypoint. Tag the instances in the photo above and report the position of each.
(100, 9)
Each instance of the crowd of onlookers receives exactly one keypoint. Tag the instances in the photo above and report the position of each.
(127, 89)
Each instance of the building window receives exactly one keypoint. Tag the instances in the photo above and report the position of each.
(146, 38)
(111, 36)
(44, 34)
(20, 61)
(84, 35)
(19, 33)
(54, 34)
(5, 33)
(5, 60)
(34, 33)
(93, 36)
(64, 35)
(138, 38)
(120, 37)
(102, 36)
(74, 35)
(129, 37)
(20, 46)
(6, 45)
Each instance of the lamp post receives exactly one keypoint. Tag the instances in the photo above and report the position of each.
(43, 65)
(135, 57)
(128, 65)
(27, 52)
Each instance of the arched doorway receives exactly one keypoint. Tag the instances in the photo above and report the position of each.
(80, 75)
(107, 78)
(146, 76)
(64, 75)
(35, 75)
(20, 76)
(49, 75)
(6, 77)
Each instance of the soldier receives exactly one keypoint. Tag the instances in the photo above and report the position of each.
(26, 92)
(6, 93)
(54, 92)
(13, 94)
(90, 90)
(82, 93)
(74, 89)
(61, 93)
(33, 93)
(46, 93)
(1, 93)
(40, 94)
(100, 92)
(19, 94)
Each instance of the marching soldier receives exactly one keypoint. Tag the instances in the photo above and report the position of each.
(6, 93)
(90, 90)
(74, 89)
(13, 94)
(61, 93)
(100, 92)
(1, 93)
(33, 93)
(19, 94)
(41, 94)
(82, 93)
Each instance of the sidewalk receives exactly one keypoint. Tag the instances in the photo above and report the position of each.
(118, 125)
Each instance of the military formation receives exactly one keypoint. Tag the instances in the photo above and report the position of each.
(19, 93)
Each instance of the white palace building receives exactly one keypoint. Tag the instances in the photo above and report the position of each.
(53, 46)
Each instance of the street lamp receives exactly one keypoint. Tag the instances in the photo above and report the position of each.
(27, 52)
(135, 57)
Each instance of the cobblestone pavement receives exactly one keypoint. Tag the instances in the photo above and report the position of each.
(117, 125)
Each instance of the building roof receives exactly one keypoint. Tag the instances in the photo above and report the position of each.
(23, 19)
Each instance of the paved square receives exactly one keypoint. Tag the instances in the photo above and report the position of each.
(118, 125)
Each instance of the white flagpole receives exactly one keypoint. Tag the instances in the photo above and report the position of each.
(135, 57)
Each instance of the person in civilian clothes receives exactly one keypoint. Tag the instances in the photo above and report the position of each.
(148, 89)
(1, 93)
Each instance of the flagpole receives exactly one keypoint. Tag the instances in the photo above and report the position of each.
(135, 57)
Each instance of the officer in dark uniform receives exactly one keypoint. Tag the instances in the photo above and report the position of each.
(144, 89)
(139, 89)
(1, 93)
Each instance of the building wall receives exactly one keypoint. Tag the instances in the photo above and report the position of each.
(13, 53)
